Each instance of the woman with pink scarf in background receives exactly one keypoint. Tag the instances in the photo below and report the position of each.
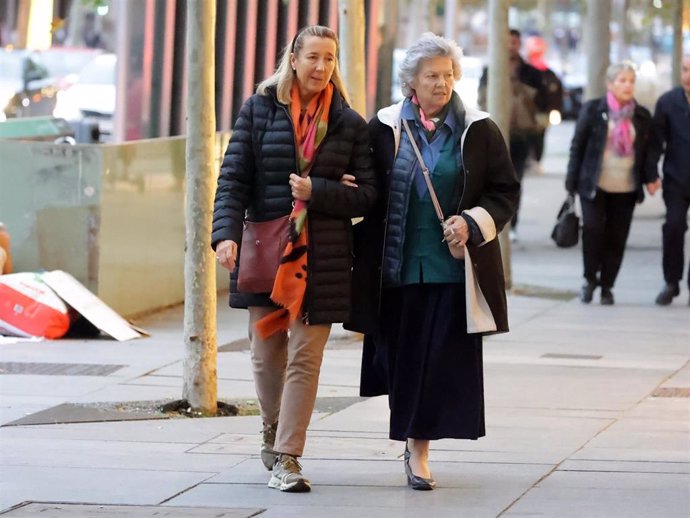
(607, 169)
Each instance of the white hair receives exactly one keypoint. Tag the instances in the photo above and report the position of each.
(616, 69)
(428, 46)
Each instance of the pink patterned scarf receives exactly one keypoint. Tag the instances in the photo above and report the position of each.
(621, 115)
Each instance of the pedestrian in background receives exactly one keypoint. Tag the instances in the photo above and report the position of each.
(526, 101)
(671, 136)
(297, 148)
(424, 346)
(607, 168)
(552, 97)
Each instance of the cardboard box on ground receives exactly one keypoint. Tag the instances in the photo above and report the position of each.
(53, 304)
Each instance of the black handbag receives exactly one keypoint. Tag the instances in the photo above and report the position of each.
(566, 232)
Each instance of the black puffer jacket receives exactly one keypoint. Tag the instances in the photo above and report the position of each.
(589, 143)
(254, 178)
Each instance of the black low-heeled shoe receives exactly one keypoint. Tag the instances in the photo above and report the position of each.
(415, 482)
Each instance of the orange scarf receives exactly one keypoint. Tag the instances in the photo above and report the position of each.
(290, 284)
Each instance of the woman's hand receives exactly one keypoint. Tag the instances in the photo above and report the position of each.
(652, 187)
(348, 180)
(301, 187)
(456, 231)
(226, 253)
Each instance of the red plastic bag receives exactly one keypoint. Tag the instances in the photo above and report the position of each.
(28, 307)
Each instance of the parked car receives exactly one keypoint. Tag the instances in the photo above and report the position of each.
(90, 99)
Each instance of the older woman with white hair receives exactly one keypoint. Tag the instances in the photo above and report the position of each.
(448, 189)
(607, 168)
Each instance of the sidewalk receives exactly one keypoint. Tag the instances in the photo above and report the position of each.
(579, 422)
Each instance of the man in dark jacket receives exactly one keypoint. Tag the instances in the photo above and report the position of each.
(552, 99)
(528, 99)
(671, 136)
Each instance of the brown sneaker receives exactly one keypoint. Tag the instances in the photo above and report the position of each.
(268, 455)
(287, 475)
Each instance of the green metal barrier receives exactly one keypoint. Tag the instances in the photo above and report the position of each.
(35, 128)
(110, 215)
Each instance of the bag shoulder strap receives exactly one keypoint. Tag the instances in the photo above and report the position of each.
(425, 173)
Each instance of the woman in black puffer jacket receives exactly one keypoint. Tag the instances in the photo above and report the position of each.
(297, 149)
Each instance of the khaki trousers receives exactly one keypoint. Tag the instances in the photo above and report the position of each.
(286, 370)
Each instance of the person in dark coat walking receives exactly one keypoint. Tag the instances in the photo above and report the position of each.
(552, 100)
(424, 349)
(528, 98)
(671, 136)
(297, 149)
(607, 168)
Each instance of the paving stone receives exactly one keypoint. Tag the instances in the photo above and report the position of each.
(51, 386)
(93, 486)
(337, 501)
(676, 468)
(578, 494)
(83, 454)
(389, 473)
(330, 447)
(545, 386)
(131, 511)
(179, 430)
(75, 413)
(58, 369)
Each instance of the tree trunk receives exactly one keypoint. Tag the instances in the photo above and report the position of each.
(75, 25)
(450, 18)
(677, 42)
(200, 377)
(498, 98)
(384, 71)
(546, 8)
(597, 46)
(352, 28)
(22, 23)
(418, 20)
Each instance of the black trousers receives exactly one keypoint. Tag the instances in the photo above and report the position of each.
(519, 151)
(673, 232)
(537, 144)
(605, 227)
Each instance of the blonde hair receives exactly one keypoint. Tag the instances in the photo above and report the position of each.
(284, 75)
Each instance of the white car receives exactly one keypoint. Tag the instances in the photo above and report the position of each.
(91, 99)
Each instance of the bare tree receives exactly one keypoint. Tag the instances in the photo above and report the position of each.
(597, 46)
(677, 41)
(23, 10)
(200, 377)
(389, 34)
(352, 62)
(75, 24)
(498, 98)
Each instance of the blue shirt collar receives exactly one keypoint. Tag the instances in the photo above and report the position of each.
(451, 120)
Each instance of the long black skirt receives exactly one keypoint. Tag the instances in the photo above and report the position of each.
(423, 358)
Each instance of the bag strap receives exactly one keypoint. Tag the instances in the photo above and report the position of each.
(425, 173)
(570, 200)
